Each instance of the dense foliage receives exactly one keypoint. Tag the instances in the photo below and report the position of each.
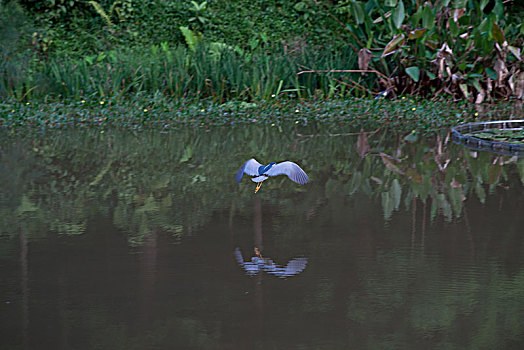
(240, 49)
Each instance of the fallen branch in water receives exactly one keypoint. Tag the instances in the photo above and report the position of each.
(344, 134)
(342, 71)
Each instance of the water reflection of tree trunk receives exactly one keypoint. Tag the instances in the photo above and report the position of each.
(147, 277)
(423, 234)
(468, 230)
(414, 203)
(258, 224)
(62, 307)
(24, 287)
(258, 239)
(413, 222)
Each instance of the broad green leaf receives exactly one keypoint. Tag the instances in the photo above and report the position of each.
(390, 3)
(396, 193)
(415, 17)
(445, 206)
(494, 173)
(434, 208)
(253, 43)
(483, 4)
(498, 10)
(456, 198)
(358, 12)
(411, 137)
(458, 4)
(428, 18)
(453, 28)
(481, 192)
(188, 153)
(300, 6)
(515, 51)
(487, 24)
(414, 73)
(491, 73)
(387, 204)
(355, 182)
(190, 37)
(520, 167)
(26, 206)
(498, 35)
(464, 89)
(476, 85)
(394, 44)
(399, 14)
(417, 33)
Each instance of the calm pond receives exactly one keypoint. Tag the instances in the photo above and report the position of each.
(120, 241)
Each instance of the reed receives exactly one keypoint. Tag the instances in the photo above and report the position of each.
(209, 71)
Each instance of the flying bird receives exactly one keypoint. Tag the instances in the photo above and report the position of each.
(259, 173)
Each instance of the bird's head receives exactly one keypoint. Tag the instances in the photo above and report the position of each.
(272, 163)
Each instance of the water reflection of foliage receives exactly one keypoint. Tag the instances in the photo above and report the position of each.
(175, 182)
(425, 302)
(447, 176)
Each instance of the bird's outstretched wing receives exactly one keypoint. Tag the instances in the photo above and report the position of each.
(292, 170)
(295, 266)
(250, 167)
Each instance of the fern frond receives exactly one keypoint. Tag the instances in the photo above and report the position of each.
(102, 12)
(115, 9)
(192, 38)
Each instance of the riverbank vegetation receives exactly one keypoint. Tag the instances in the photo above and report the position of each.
(239, 50)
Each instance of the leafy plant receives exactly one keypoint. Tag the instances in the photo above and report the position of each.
(198, 11)
(192, 38)
(14, 53)
(114, 9)
(433, 48)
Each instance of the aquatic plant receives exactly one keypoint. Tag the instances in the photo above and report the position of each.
(204, 70)
(417, 117)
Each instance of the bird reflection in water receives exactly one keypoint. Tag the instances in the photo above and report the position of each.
(259, 263)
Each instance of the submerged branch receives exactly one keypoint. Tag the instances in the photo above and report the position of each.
(343, 71)
(342, 134)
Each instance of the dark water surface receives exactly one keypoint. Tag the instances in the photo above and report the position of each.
(121, 241)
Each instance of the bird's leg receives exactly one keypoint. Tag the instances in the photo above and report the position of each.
(258, 253)
(258, 186)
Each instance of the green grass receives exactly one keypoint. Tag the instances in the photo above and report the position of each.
(210, 71)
